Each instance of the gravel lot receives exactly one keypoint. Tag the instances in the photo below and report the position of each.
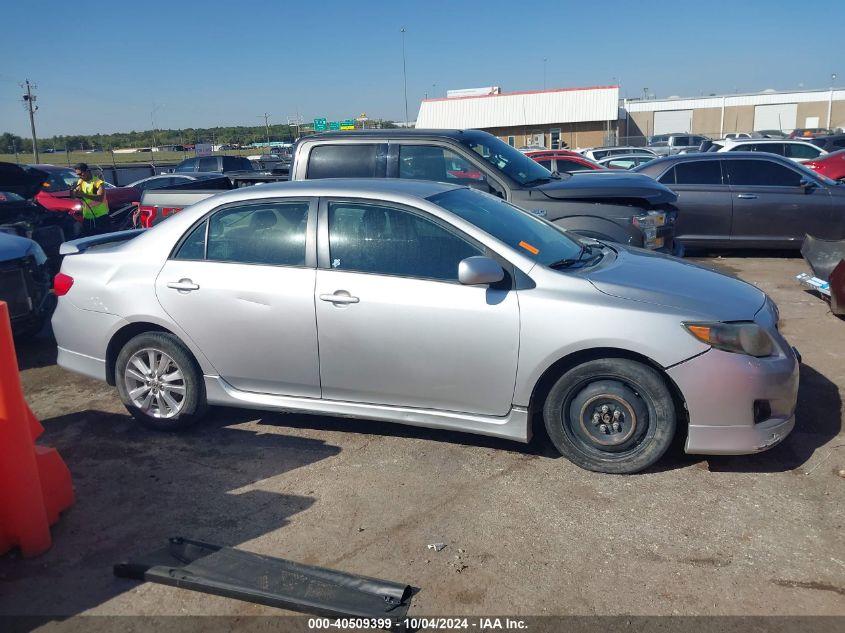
(527, 533)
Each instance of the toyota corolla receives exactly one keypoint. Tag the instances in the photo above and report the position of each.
(425, 304)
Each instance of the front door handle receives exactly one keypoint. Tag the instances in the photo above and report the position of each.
(339, 298)
(183, 285)
(746, 196)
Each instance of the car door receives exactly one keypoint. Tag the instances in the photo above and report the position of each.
(241, 286)
(395, 326)
(771, 208)
(704, 202)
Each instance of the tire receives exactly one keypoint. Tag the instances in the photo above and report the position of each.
(174, 393)
(636, 416)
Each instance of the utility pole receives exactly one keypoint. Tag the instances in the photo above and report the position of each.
(28, 100)
(267, 128)
(404, 75)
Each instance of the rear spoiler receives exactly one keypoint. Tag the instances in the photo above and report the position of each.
(84, 243)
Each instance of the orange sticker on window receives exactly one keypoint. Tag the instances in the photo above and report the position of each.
(531, 249)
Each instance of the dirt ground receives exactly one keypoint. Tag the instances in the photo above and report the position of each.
(527, 532)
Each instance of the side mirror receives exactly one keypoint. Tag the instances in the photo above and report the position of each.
(807, 185)
(478, 270)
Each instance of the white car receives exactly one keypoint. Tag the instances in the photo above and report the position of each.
(799, 151)
(597, 153)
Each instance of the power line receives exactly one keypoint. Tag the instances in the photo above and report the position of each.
(28, 101)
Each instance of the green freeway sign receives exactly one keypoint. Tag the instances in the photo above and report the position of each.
(334, 125)
(348, 124)
(319, 125)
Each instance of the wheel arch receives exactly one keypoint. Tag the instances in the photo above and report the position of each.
(547, 380)
(127, 333)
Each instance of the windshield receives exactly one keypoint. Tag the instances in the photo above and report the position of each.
(533, 237)
(60, 180)
(505, 158)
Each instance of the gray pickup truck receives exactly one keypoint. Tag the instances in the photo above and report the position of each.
(611, 205)
(604, 204)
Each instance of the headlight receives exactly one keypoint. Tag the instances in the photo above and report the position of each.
(740, 338)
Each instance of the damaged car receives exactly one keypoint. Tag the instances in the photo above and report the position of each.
(21, 215)
(24, 283)
(427, 304)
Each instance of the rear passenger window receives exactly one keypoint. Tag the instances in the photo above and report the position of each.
(761, 173)
(194, 245)
(668, 178)
(701, 172)
(546, 163)
(384, 240)
(265, 233)
(346, 161)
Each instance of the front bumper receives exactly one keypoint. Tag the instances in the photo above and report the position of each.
(720, 390)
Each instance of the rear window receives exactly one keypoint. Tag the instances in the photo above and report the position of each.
(235, 163)
(702, 172)
(345, 161)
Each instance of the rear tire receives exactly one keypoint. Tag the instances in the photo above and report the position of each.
(160, 383)
(611, 415)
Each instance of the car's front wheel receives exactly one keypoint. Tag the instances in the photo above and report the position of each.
(611, 415)
(159, 382)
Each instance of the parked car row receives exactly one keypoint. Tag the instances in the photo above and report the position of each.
(750, 199)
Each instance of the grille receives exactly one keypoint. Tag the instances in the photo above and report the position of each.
(14, 291)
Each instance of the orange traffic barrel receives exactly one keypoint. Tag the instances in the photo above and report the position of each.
(35, 483)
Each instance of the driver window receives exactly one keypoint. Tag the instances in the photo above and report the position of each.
(429, 162)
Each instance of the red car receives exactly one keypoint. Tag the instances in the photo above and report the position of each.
(831, 165)
(563, 160)
(54, 192)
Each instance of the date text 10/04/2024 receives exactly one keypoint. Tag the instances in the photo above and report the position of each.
(416, 624)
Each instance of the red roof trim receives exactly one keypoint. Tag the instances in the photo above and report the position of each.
(524, 92)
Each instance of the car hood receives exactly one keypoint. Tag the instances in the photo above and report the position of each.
(14, 246)
(24, 182)
(650, 277)
(609, 183)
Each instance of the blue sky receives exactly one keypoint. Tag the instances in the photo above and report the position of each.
(103, 67)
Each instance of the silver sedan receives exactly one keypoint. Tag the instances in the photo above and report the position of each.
(426, 304)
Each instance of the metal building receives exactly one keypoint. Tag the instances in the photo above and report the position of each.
(578, 117)
(715, 116)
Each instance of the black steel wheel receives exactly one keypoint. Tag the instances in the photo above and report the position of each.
(611, 415)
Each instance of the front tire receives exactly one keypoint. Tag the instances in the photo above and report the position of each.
(611, 415)
(159, 382)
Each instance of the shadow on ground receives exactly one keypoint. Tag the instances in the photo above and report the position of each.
(135, 488)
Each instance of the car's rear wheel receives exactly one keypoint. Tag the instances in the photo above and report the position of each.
(611, 415)
(159, 382)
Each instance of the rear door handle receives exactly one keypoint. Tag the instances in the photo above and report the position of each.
(339, 298)
(746, 196)
(183, 285)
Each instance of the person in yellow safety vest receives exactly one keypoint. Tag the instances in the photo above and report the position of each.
(91, 190)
